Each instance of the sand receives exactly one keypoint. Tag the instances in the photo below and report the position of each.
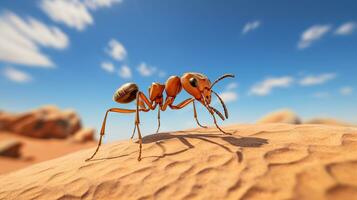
(36, 150)
(268, 161)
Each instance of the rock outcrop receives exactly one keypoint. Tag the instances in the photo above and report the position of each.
(10, 148)
(281, 116)
(268, 161)
(25, 136)
(45, 122)
(84, 135)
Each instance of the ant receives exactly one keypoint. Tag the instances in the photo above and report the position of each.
(196, 84)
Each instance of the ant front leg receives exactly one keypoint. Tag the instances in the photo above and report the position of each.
(195, 115)
(185, 103)
(215, 122)
(211, 111)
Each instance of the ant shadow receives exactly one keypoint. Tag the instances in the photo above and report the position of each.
(237, 141)
(159, 138)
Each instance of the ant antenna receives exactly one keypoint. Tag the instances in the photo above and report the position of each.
(222, 77)
(223, 104)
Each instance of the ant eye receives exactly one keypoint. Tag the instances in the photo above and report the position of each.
(193, 82)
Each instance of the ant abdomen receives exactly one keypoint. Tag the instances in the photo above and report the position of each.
(126, 93)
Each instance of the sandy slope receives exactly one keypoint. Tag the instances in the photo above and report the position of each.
(271, 161)
(37, 150)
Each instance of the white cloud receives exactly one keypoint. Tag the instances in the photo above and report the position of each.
(20, 40)
(316, 80)
(347, 90)
(125, 72)
(346, 28)
(39, 32)
(312, 34)
(108, 67)
(116, 50)
(146, 70)
(16, 75)
(228, 96)
(73, 13)
(321, 95)
(232, 86)
(162, 74)
(250, 26)
(265, 87)
(94, 4)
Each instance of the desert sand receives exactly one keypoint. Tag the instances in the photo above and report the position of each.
(34, 150)
(267, 161)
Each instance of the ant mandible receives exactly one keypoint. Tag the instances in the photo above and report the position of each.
(196, 84)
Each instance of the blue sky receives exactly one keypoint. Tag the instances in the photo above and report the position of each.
(297, 54)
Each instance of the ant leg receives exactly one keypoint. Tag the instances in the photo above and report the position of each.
(185, 103)
(137, 122)
(140, 143)
(215, 122)
(102, 131)
(182, 104)
(145, 100)
(143, 107)
(211, 111)
(132, 135)
(158, 120)
(195, 115)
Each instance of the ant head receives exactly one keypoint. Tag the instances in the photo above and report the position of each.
(200, 87)
(197, 85)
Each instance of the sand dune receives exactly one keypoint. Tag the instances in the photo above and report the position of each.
(268, 161)
(286, 116)
(328, 121)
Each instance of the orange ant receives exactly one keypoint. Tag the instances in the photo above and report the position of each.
(196, 84)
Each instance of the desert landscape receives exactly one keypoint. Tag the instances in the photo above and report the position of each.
(40, 134)
(267, 160)
(166, 100)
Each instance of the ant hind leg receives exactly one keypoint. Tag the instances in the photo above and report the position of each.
(102, 130)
